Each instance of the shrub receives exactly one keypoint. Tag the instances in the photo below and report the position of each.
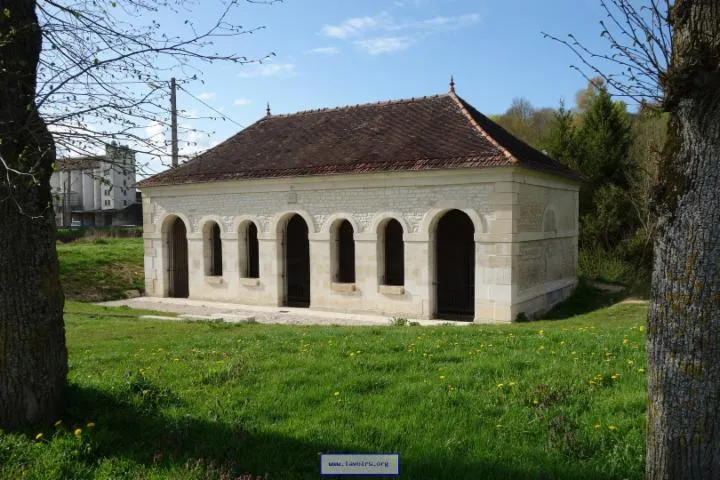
(597, 264)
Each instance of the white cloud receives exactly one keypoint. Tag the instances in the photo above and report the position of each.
(382, 33)
(323, 51)
(377, 46)
(356, 26)
(269, 70)
(241, 102)
(206, 95)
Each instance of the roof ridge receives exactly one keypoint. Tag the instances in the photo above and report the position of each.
(481, 130)
(359, 105)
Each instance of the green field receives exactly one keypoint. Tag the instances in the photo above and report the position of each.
(101, 269)
(550, 399)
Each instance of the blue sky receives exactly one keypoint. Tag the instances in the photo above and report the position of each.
(339, 52)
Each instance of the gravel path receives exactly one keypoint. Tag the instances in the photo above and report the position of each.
(229, 312)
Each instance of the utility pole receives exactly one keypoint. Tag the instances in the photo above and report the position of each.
(173, 122)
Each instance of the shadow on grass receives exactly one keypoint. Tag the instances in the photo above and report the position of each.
(131, 439)
(585, 299)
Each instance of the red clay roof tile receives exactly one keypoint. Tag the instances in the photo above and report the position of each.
(438, 132)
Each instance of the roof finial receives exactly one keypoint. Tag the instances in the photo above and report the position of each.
(452, 84)
(267, 110)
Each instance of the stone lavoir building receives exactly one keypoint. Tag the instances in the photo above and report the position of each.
(419, 208)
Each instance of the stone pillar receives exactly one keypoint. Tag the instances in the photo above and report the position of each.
(271, 263)
(420, 273)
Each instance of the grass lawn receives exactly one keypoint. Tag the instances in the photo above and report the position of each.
(102, 269)
(551, 399)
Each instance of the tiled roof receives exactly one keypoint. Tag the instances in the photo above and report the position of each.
(438, 132)
(88, 162)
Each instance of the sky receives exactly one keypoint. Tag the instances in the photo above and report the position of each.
(331, 53)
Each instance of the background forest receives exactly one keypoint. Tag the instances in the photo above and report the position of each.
(617, 152)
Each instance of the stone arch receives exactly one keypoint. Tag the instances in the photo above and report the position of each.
(241, 220)
(168, 219)
(342, 232)
(335, 219)
(277, 224)
(247, 229)
(208, 218)
(390, 251)
(293, 247)
(453, 265)
(380, 220)
(428, 225)
(549, 220)
(212, 234)
(175, 277)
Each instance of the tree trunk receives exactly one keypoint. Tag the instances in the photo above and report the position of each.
(33, 358)
(683, 436)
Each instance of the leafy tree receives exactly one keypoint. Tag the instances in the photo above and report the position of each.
(669, 55)
(605, 138)
(603, 145)
(525, 121)
(561, 142)
(90, 72)
(585, 97)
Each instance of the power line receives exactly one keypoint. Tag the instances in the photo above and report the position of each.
(211, 108)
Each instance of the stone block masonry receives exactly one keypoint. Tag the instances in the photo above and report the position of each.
(524, 232)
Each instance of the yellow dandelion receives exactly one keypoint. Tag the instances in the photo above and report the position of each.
(39, 436)
(511, 384)
(78, 432)
(337, 393)
(352, 354)
(90, 424)
(641, 370)
(630, 362)
(501, 385)
(642, 329)
(562, 343)
(541, 332)
(535, 402)
(597, 425)
(612, 428)
(625, 341)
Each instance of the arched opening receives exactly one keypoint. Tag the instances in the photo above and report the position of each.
(248, 251)
(455, 266)
(343, 254)
(177, 259)
(212, 249)
(391, 254)
(297, 263)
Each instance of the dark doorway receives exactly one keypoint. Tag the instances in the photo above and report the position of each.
(345, 253)
(394, 254)
(178, 260)
(455, 266)
(253, 257)
(297, 263)
(215, 242)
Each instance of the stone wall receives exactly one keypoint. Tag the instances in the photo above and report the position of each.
(490, 197)
(546, 237)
